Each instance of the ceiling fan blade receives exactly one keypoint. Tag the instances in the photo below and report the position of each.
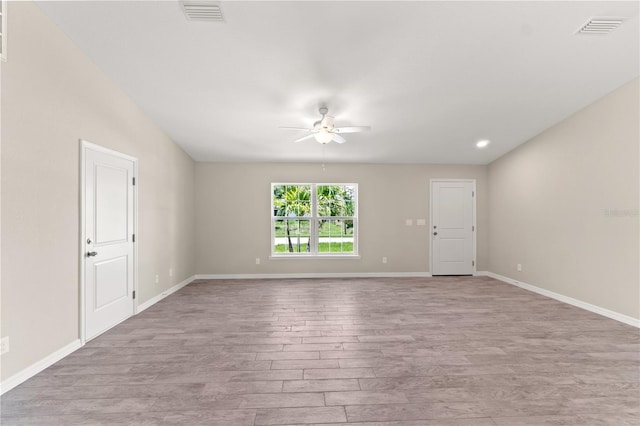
(296, 128)
(304, 137)
(338, 139)
(353, 129)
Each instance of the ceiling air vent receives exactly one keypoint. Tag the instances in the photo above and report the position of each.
(600, 26)
(202, 10)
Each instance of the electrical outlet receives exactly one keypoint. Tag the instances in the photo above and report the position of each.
(170, 272)
(157, 279)
(384, 259)
(519, 267)
(4, 345)
(257, 260)
(408, 222)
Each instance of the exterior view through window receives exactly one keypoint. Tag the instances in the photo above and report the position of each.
(314, 219)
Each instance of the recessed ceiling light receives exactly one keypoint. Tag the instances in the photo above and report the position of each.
(482, 143)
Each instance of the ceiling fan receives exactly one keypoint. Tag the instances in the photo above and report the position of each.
(324, 132)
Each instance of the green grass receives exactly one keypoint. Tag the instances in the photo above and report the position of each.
(322, 248)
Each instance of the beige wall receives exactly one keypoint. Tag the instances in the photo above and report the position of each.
(549, 200)
(233, 218)
(53, 95)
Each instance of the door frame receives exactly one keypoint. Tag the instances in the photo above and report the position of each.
(474, 224)
(84, 146)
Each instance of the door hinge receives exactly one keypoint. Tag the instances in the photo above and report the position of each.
(134, 180)
(133, 238)
(473, 263)
(134, 294)
(473, 228)
(473, 193)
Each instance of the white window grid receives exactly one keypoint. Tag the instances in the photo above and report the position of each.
(314, 221)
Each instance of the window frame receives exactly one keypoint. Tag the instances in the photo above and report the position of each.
(314, 219)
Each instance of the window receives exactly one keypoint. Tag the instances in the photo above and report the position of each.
(314, 219)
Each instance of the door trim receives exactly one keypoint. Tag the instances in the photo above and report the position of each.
(84, 146)
(475, 226)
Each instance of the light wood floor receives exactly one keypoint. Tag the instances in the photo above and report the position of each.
(411, 351)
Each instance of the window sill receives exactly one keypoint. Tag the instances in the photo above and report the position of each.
(315, 256)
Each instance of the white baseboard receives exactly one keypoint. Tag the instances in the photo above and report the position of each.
(312, 275)
(156, 299)
(571, 301)
(34, 369)
(481, 274)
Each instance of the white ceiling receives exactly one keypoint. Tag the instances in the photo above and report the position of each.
(431, 78)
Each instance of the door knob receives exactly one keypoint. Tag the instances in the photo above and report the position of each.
(92, 253)
(435, 233)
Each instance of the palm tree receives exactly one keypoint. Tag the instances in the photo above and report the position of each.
(294, 200)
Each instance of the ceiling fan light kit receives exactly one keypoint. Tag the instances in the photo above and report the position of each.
(324, 132)
(323, 136)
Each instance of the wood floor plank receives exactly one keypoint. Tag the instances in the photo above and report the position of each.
(608, 419)
(306, 415)
(288, 355)
(365, 398)
(304, 363)
(338, 373)
(282, 400)
(320, 385)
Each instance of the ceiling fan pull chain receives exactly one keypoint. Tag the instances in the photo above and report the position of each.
(323, 159)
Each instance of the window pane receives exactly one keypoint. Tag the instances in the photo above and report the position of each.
(305, 228)
(304, 208)
(279, 200)
(293, 227)
(348, 202)
(290, 208)
(336, 236)
(348, 226)
(338, 208)
(291, 236)
(304, 200)
(350, 208)
(279, 228)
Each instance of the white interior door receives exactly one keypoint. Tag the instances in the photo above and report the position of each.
(109, 263)
(452, 227)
